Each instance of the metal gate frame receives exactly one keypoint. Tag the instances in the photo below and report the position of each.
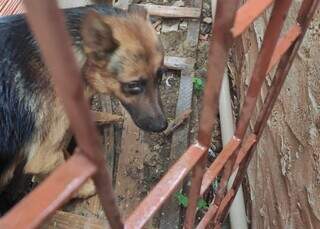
(230, 22)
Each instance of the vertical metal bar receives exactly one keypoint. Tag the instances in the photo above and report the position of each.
(47, 23)
(194, 191)
(218, 54)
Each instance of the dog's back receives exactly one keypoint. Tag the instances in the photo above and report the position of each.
(18, 88)
(25, 86)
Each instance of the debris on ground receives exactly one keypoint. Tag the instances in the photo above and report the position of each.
(177, 122)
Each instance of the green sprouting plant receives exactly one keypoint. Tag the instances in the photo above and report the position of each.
(202, 204)
(183, 201)
(198, 85)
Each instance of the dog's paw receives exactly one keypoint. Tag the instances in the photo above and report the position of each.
(87, 190)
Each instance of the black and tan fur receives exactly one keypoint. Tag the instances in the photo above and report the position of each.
(119, 54)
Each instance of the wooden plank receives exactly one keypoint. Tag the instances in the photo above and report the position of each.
(72, 4)
(93, 204)
(172, 11)
(171, 213)
(66, 220)
(92, 207)
(122, 4)
(178, 63)
(130, 166)
(108, 134)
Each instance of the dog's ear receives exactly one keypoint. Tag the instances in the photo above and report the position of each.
(97, 34)
(138, 11)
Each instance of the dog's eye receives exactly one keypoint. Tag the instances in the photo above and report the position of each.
(134, 88)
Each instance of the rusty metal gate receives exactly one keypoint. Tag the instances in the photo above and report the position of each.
(231, 20)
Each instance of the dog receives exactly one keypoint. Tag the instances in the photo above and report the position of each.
(118, 53)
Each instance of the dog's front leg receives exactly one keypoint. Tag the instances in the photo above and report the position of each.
(44, 163)
(102, 118)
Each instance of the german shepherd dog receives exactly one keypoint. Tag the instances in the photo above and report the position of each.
(119, 54)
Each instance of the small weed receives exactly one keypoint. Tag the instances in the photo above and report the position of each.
(202, 204)
(183, 201)
(198, 85)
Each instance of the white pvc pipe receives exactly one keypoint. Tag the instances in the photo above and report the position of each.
(238, 217)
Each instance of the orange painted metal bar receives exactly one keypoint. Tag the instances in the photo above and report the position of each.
(167, 185)
(224, 203)
(218, 164)
(284, 44)
(194, 192)
(269, 43)
(210, 214)
(268, 47)
(212, 211)
(305, 15)
(47, 23)
(284, 65)
(31, 211)
(216, 167)
(244, 150)
(247, 14)
(218, 55)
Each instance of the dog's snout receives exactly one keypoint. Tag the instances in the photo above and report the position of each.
(156, 124)
(160, 125)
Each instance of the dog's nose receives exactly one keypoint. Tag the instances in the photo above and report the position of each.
(162, 124)
(157, 125)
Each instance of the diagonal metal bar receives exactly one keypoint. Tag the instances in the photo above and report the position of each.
(211, 212)
(284, 44)
(251, 10)
(244, 150)
(213, 172)
(271, 37)
(305, 15)
(161, 192)
(218, 53)
(261, 67)
(216, 167)
(49, 195)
